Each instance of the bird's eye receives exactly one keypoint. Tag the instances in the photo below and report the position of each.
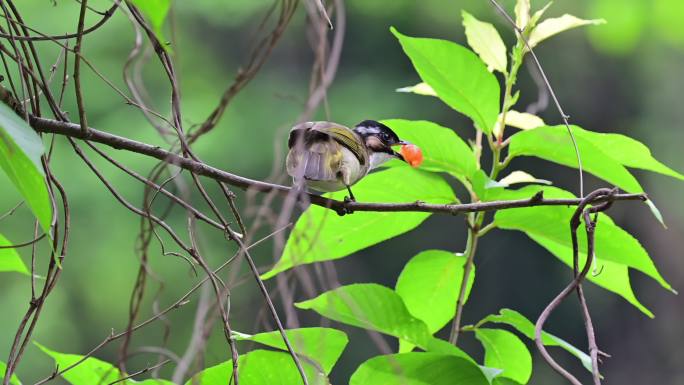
(384, 136)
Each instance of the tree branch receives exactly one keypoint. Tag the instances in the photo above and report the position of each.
(199, 168)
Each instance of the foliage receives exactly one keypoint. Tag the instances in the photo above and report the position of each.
(434, 285)
(427, 290)
(20, 152)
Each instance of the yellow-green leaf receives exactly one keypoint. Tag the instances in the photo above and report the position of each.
(556, 25)
(421, 88)
(522, 13)
(485, 41)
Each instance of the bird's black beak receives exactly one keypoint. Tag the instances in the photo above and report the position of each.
(398, 155)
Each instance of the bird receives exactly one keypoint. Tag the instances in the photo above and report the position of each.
(328, 157)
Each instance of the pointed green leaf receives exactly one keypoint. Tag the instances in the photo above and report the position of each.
(90, 371)
(10, 259)
(260, 367)
(485, 41)
(418, 369)
(628, 152)
(554, 144)
(14, 380)
(443, 150)
(370, 306)
(322, 235)
(554, 26)
(616, 250)
(429, 286)
(526, 327)
(504, 350)
(322, 345)
(20, 152)
(457, 75)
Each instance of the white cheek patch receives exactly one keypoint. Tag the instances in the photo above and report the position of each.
(378, 158)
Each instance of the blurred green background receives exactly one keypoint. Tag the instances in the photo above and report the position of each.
(624, 76)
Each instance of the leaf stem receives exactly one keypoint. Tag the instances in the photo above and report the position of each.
(475, 220)
(471, 246)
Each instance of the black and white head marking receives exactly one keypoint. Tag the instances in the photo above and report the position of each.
(377, 136)
(379, 140)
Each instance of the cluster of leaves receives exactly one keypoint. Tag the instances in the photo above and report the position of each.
(425, 296)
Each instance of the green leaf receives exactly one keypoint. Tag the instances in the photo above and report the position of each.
(554, 26)
(443, 150)
(485, 41)
(418, 369)
(260, 367)
(429, 286)
(322, 235)
(323, 345)
(604, 155)
(370, 306)
(14, 380)
(504, 350)
(10, 259)
(526, 327)
(155, 11)
(554, 144)
(616, 250)
(20, 152)
(90, 371)
(628, 152)
(457, 75)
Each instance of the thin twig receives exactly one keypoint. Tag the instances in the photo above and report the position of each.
(77, 69)
(139, 372)
(576, 282)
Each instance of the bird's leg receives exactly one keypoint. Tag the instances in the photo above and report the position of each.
(348, 199)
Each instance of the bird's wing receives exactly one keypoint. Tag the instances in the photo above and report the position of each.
(345, 137)
(321, 161)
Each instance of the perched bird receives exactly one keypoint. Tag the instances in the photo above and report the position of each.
(330, 157)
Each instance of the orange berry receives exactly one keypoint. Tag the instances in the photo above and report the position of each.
(412, 154)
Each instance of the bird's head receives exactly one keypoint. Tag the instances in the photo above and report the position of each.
(378, 140)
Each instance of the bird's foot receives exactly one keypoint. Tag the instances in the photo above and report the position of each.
(345, 208)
